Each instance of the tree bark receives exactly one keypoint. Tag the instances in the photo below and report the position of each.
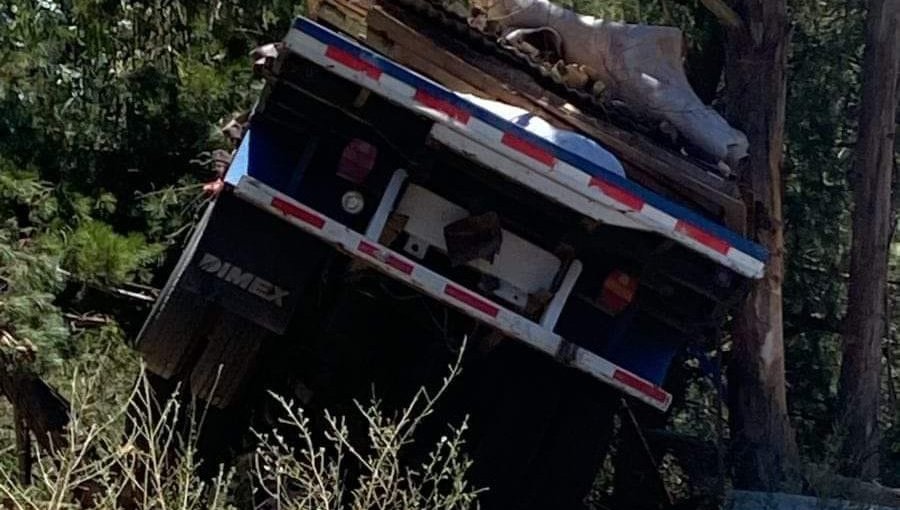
(23, 447)
(764, 453)
(859, 387)
(37, 407)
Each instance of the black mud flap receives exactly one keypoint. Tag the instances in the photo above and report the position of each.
(252, 263)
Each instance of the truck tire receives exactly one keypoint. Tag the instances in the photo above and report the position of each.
(172, 335)
(575, 444)
(542, 433)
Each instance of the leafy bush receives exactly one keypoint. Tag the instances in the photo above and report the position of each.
(127, 450)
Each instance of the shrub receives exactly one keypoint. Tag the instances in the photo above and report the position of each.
(136, 452)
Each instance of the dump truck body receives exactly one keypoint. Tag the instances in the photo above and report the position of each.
(357, 164)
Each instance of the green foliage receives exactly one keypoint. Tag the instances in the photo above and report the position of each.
(113, 103)
(112, 100)
(108, 110)
(94, 253)
(22, 192)
(823, 90)
(27, 267)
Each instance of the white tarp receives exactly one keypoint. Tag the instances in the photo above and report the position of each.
(638, 64)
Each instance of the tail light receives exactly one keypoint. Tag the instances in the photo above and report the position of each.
(618, 292)
(357, 161)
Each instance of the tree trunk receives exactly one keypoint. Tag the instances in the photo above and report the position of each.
(23, 447)
(38, 408)
(764, 451)
(859, 387)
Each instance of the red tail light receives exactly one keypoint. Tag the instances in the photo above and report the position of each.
(618, 292)
(357, 161)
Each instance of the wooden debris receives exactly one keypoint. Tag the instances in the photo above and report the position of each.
(646, 162)
(474, 237)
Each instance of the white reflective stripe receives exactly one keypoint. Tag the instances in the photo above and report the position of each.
(663, 220)
(435, 285)
(483, 132)
(395, 87)
(309, 47)
(574, 175)
(741, 259)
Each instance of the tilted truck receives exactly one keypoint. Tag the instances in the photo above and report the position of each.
(371, 218)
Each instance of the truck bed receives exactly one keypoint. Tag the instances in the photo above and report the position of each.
(560, 174)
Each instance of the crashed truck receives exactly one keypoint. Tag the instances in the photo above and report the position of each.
(372, 218)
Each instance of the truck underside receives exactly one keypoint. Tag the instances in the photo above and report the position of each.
(359, 243)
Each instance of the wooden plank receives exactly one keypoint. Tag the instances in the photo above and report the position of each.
(400, 42)
(647, 163)
(356, 8)
(380, 42)
(348, 16)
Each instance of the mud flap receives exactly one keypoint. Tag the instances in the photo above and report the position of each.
(227, 361)
(169, 339)
(241, 259)
(251, 264)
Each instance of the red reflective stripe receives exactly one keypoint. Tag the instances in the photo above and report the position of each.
(472, 300)
(400, 264)
(702, 237)
(617, 194)
(391, 260)
(298, 212)
(353, 62)
(528, 149)
(644, 387)
(442, 106)
(368, 248)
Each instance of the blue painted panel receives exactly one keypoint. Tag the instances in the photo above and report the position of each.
(647, 349)
(267, 155)
(643, 347)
